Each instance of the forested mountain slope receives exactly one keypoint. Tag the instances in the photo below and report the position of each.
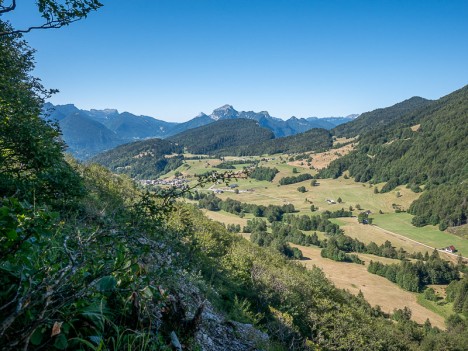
(141, 159)
(243, 137)
(315, 139)
(221, 135)
(426, 148)
(380, 118)
(236, 137)
(88, 132)
(86, 137)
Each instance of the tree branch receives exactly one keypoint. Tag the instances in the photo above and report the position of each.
(48, 25)
(5, 9)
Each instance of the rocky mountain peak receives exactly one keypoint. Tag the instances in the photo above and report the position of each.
(224, 112)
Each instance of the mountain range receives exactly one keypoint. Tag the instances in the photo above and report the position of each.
(89, 132)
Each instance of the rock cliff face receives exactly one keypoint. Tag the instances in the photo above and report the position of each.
(219, 334)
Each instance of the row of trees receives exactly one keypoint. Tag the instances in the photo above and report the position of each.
(313, 222)
(415, 276)
(295, 179)
(333, 252)
(211, 202)
(457, 292)
(264, 173)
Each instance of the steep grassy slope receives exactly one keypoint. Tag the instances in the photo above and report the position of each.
(433, 156)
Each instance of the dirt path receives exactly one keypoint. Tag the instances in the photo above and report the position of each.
(377, 290)
(417, 242)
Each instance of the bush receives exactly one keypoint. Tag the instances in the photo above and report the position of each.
(302, 189)
(429, 294)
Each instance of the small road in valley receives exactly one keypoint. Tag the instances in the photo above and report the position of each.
(417, 242)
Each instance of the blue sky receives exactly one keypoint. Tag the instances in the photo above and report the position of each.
(171, 59)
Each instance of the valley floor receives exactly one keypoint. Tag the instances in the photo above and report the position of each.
(376, 290)
(388, 225)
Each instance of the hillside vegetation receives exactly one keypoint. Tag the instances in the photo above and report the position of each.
(248, 139)
(142, 159)
(90, 262)
(221, 135)
(431, 157)
(379, 119)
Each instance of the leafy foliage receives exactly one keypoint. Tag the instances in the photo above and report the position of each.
(295, 179)
(263, 173)
(31, 160)
(56, 13)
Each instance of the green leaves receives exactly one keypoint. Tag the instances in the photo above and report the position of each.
(106, 284)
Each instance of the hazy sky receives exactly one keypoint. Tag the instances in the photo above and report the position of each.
(171, 59)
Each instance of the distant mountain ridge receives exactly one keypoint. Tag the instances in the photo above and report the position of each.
(227, 137)
(89, 132)
(278, 126)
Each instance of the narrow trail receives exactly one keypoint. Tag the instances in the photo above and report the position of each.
(417, 242)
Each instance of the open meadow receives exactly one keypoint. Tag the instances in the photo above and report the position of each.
(332, 195)
(376, 290)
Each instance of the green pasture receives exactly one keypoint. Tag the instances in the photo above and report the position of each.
(400, 223)
(351, 193)
(440, 307)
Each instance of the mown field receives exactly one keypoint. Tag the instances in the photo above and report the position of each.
(352, 195)
(401, 223)
(388, 225)
(376, 290)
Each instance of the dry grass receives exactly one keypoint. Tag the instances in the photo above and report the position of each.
(348, 190)
(461, 231)
(323, 159)
(415, 128)
(377, 290)
(227, 218)
(368, 233)
(343, 140)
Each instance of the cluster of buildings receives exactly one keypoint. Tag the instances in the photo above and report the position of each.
(176, 182)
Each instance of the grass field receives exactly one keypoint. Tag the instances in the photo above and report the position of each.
(395, 227)
(351, 193)
(227, 218)
(439, 307)
(368, 233)
(376, 290)
(401, 223)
